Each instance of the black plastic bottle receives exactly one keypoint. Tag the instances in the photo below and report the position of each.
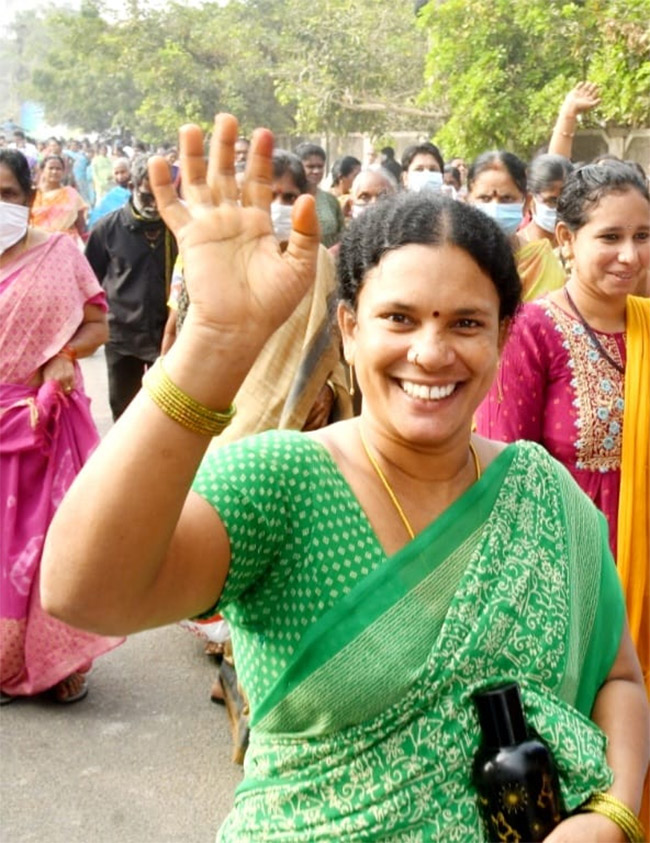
(518, 789)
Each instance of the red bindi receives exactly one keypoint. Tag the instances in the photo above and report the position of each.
(436, 313)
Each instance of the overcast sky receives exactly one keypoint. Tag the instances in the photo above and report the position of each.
(10, 7)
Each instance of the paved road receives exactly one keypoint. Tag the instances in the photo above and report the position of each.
(145, 758)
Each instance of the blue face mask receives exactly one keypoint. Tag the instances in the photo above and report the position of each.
(507, 215)
(544, 216)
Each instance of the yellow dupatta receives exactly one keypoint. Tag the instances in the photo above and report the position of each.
(539, 268)
(633, 551)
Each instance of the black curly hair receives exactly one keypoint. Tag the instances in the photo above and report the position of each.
(406, 218)
(585, 188)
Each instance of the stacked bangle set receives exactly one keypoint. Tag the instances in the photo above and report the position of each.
(180, 407)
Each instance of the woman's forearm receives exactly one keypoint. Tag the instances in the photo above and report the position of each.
(621, 711)
(564, 132)
(113, 560)
(89, 337)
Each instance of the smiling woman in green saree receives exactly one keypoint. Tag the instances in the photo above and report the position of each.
(375, 573)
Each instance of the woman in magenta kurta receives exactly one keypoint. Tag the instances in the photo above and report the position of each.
(562, 374)
(554, 388)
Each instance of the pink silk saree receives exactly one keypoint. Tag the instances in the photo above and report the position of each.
(45, 437)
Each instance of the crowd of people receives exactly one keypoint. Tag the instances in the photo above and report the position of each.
(385, 442)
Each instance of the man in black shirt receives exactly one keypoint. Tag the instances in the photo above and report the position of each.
(389, 163)
(132, 253)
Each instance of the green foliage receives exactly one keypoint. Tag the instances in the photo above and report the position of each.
(500, 68)
(352, 65)
(621, 63)
(295, 66)
(93, 90)
(476, 73)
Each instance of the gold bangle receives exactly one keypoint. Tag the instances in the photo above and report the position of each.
(180, 407)
(617, 811)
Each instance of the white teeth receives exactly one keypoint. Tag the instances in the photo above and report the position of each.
(430, 393)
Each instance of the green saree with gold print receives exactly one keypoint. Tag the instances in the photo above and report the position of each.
(360, 667)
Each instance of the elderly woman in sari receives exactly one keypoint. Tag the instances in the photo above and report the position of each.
(52, 311)
(470, 552)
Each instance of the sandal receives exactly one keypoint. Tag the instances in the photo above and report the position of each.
(59, 690)
(5, 699)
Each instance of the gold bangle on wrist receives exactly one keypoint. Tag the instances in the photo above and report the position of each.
(182, 408)
(617, 811)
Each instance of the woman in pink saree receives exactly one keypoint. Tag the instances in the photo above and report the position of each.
(52, 310)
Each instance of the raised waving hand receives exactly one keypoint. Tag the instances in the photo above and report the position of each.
(240, 287)
(582, 98)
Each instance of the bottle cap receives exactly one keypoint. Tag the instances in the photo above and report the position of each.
(501, 715)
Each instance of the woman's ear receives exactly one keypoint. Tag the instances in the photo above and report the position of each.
(528, 204)
(565, 238)
(347, 320)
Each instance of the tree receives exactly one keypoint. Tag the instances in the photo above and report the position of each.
(28, 37)
(209, 59)
(476, 73)
(154, 68)
(352, 65)
(80, 78)
(499, 69)
(293, 65)
(620, 64)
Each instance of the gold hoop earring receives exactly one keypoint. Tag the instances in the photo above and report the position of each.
(351, 389)
(566, 260)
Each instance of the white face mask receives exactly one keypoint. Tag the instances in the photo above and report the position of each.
(418, 180)
(13, 224)
(281, 219)
(544, 216)
(358, 210)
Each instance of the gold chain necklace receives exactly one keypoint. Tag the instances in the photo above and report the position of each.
(391, 494)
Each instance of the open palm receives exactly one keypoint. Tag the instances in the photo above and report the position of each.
(239, 284)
